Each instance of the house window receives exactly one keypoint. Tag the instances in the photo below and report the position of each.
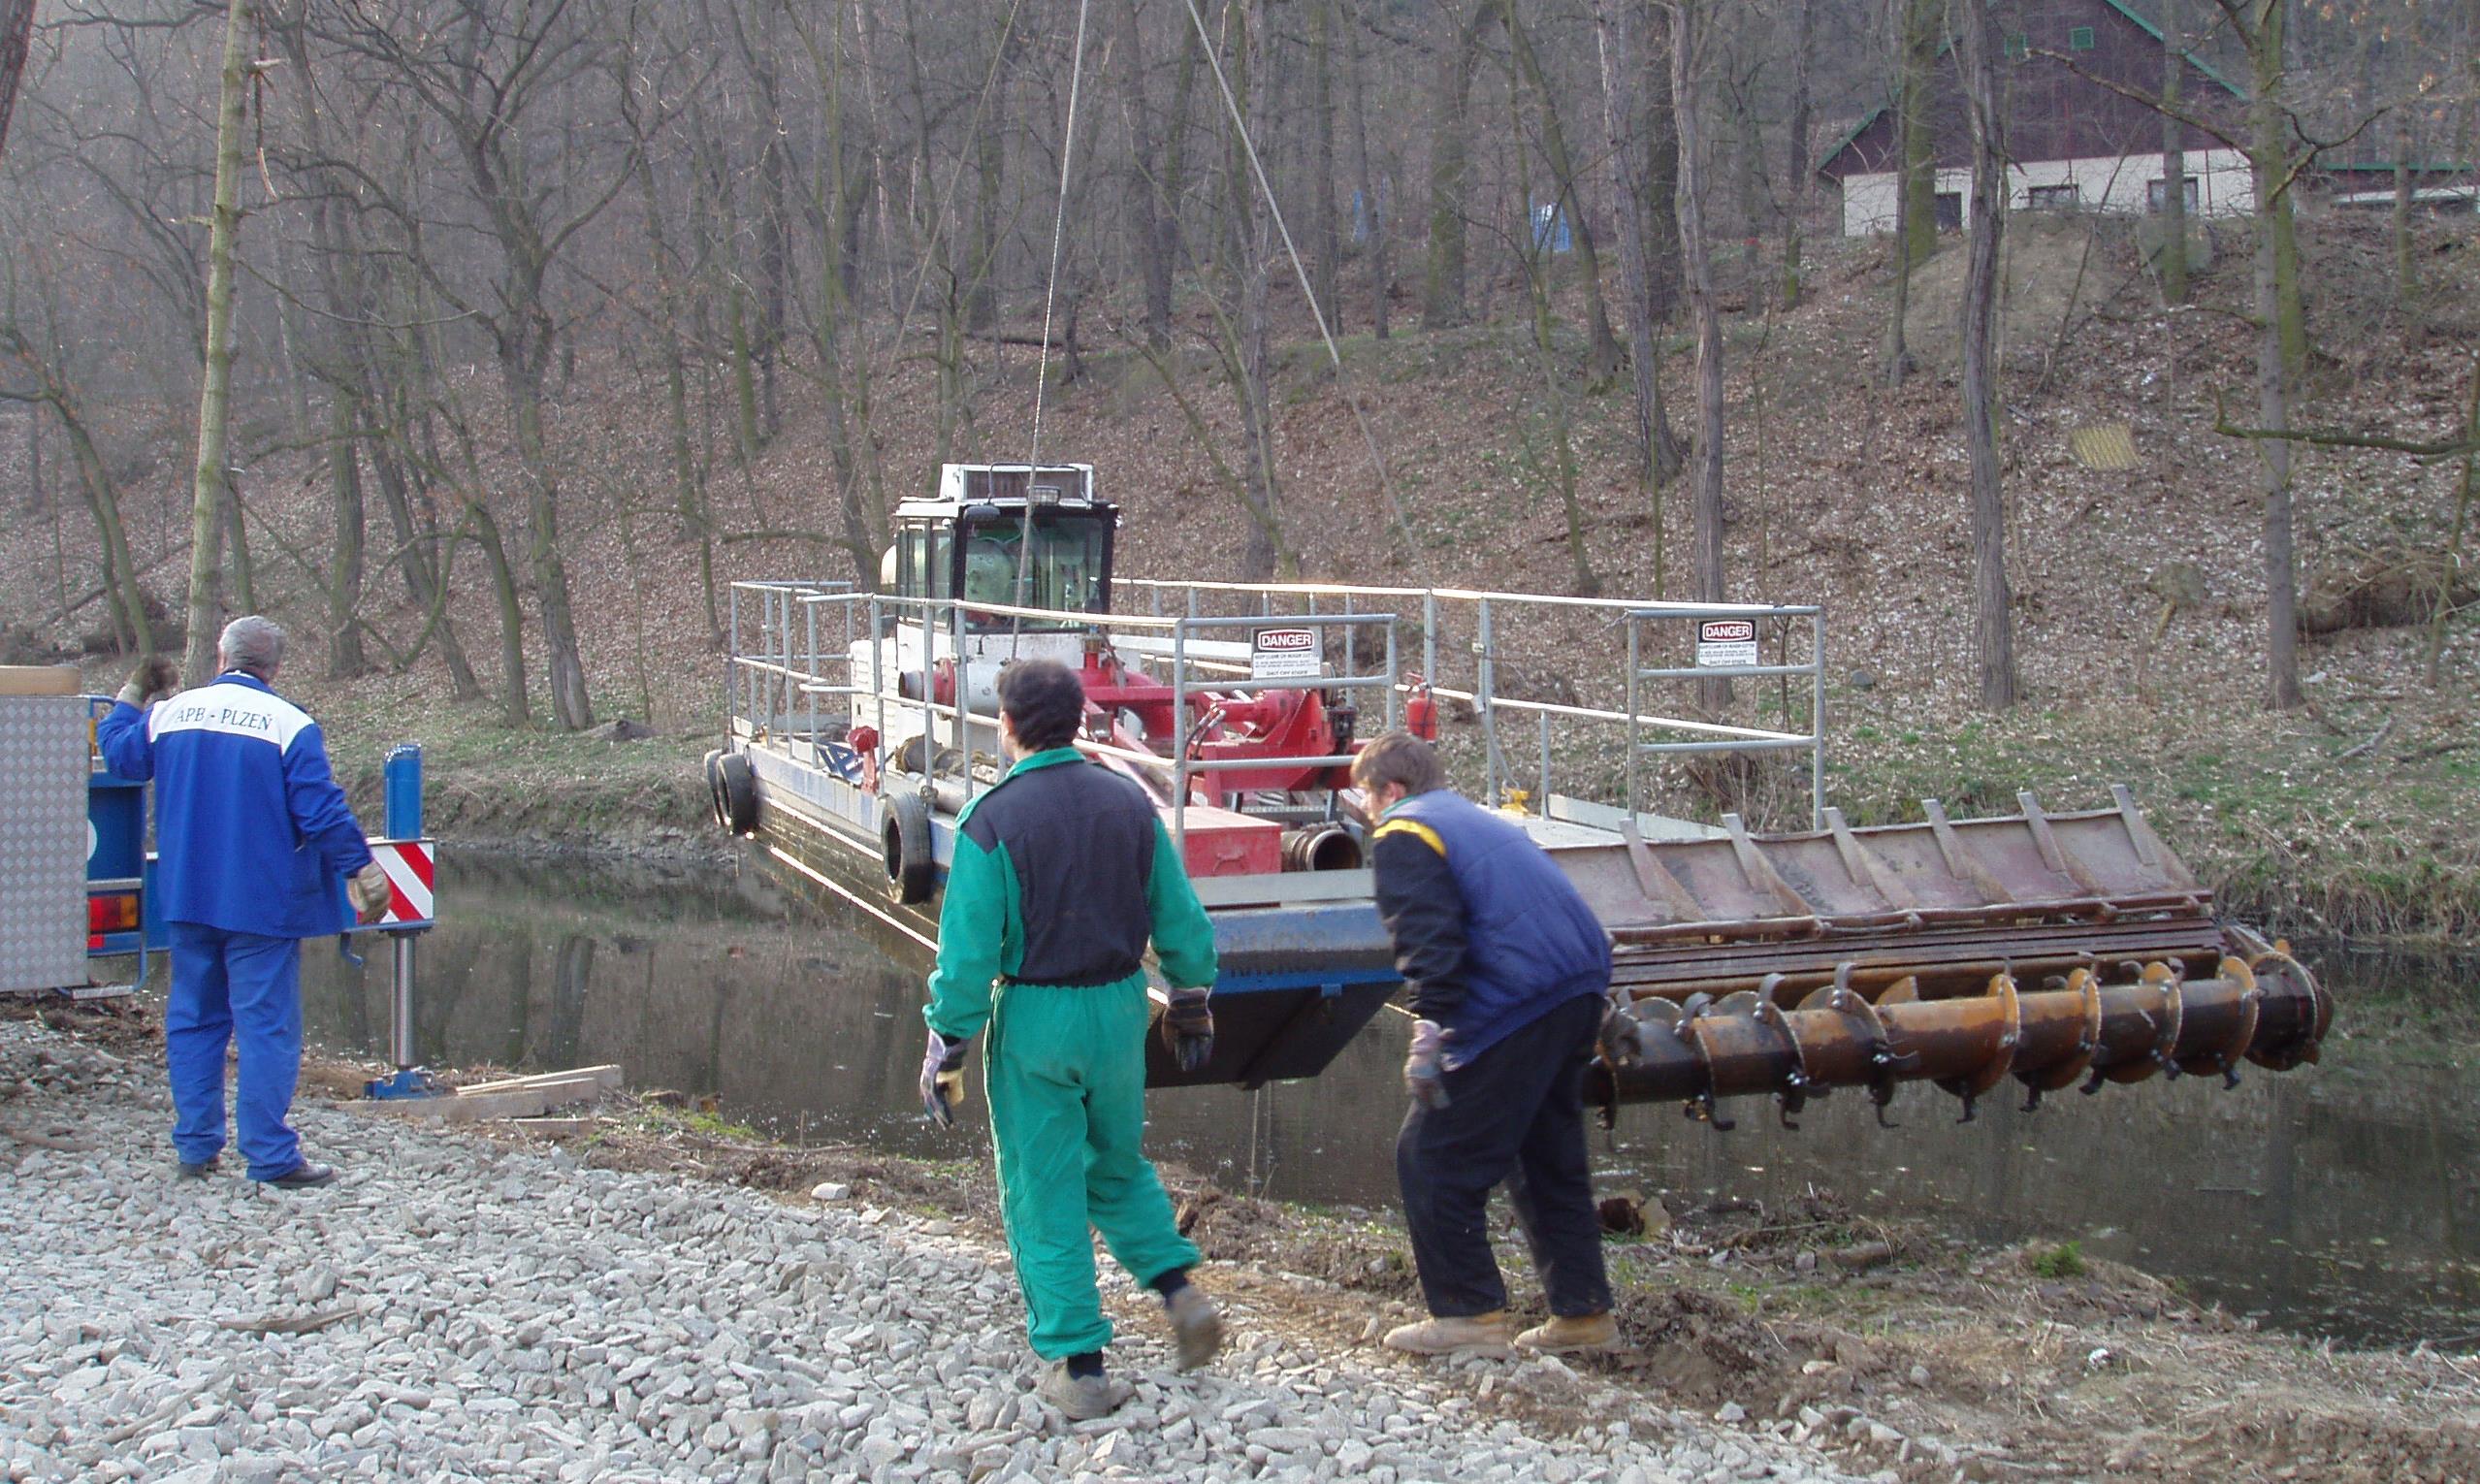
(2155, 198)
(2055, 198)
(1950, 210)
(2018, 47)
(2080, 39)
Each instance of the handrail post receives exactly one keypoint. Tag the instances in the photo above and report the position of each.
(1180, 733)
(1487, 666)
(1635, 665)
(1816, 721)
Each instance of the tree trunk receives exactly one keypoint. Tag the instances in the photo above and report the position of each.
(1657, 458)
(345, 656)
(563, 665)
(2174, 154)
(2407, 280)
(1686, 67)
(1149, 211)
(17, 29)
(1267, 554)
(1916, 127)
(688, 498)
(1324, 226)
(207, 492)
(1801, 178)
(516, 709)
(1372, 217)
(1442, 301)
(1993, 621)
(2276, 315)
(1601, 352)
(1659, 129)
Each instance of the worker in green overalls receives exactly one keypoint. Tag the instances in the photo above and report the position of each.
(1060, 874)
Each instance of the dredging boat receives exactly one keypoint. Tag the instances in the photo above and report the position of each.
(2054, 949)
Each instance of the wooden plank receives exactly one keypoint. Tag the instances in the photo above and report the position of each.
(605, 1076)
(556, 1128)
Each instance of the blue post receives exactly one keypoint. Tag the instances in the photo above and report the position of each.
(403, 780)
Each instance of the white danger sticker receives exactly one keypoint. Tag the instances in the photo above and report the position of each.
(1725, 643)
(1284, 653)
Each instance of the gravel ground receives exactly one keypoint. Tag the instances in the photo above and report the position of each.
(453, 1309)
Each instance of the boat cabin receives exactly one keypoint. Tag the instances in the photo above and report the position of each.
(971, 543)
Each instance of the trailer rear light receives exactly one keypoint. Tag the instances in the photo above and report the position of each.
(117, 912)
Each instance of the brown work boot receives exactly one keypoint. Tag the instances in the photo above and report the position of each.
(1492, 1330)
(1571, 1335)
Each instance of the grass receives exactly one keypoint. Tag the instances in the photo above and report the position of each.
(2065, 1260)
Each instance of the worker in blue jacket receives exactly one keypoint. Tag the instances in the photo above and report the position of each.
(1508, 969)
(251, 835)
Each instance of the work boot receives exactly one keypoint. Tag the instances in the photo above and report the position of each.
(1493, 1331)
(1082, 1398)
(1195, 1326)
(195, 1172)
(1571, 1335)
(304, 1177)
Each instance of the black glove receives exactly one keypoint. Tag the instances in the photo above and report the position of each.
(1188, 1028)
(942, 1079)
(154, 679)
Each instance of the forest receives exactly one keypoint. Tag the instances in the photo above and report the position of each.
(415, 318)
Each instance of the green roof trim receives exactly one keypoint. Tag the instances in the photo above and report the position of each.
(2430, 168)
(2195, 61)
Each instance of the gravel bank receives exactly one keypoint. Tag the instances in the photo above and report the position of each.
(452, 1309)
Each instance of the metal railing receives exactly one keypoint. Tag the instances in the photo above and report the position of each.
(787, 674)
(1477, 617)
(785, 669)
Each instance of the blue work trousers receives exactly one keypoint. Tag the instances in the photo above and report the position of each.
(229, 986)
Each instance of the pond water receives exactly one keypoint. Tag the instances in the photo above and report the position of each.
(2338, 1200)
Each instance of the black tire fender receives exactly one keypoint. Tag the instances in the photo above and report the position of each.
(912, 872)
(735, 795)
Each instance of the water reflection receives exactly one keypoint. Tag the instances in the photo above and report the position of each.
(2337, 1200)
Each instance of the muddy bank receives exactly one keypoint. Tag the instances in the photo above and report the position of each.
(1889, 1345)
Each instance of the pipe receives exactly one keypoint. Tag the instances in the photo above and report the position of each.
(2271, 1011)
(1321, 847)
(400, 1003)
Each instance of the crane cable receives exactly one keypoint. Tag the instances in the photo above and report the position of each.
(1049, 295)
(1377, 460)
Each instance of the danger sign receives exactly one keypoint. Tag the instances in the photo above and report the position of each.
(1284, 653)
(1725, 643)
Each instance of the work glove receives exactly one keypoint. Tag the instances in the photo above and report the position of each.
(1425, 1067)
(369, 890)
(1188, 1029)
(942, 1079)
(155, 678)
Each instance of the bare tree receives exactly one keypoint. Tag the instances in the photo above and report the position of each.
(212, 487)
(1657, 456)
(17, 29)
(1993, 621)
(1690, 23)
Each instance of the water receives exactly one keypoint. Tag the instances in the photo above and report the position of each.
(2337, 1200)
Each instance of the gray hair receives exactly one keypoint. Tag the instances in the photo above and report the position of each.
(252, 643)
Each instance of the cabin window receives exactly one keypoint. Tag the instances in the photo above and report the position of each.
(1068, 570)
(2156, 199)
(921, 562)
(2080, 39)
(2055, 198)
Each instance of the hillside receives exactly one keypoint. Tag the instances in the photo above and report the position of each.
(2352, 815)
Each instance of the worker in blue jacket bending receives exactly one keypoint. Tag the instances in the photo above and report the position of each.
(251, 833)
(1508, 969)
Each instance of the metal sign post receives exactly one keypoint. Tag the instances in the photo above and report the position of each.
(406, 858)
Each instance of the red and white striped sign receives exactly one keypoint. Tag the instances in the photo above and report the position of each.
(407, 863)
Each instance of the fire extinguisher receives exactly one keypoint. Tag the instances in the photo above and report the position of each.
(1421, 709)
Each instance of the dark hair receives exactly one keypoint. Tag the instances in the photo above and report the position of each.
(1045, 699)
(1400, 758)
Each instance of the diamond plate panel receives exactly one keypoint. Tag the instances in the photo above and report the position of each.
(43, 842)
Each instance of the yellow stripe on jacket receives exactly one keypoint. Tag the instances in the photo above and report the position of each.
(1413, 827)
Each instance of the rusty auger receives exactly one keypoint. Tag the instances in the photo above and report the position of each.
(2055, 950)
